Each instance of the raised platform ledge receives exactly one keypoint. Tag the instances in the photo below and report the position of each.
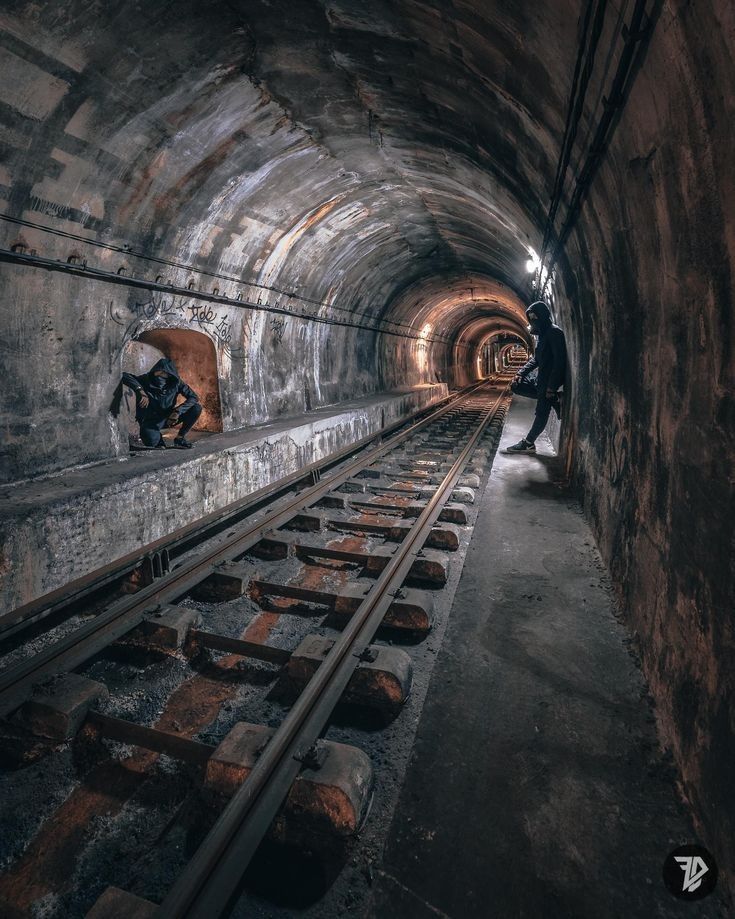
(57, 529)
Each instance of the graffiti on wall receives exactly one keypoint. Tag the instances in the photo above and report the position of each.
(202, 316)
(278, 327)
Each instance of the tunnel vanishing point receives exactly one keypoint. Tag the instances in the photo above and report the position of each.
(325, 209)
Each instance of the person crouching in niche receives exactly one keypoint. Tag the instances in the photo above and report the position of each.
(550, 361)
(155, 404)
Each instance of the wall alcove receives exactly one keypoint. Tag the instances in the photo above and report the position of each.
(196, 361)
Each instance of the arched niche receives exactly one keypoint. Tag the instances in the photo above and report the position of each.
(196, 361)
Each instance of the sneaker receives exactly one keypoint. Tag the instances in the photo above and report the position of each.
(182, 443)
(161, 446)
(522, 446)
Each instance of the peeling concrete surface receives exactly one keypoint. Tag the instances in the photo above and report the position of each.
(87, 518)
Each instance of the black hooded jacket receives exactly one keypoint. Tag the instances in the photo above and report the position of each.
(162, 391)
(550, 355)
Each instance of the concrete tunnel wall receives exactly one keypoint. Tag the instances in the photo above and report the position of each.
(394, 165)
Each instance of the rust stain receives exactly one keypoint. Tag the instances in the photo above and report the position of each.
(396, 499)
(375, 518)
(320, 212)
(261, 626)
(194, 179)
(348, 543)
(196, 703)
(141, 189)
(48, 864)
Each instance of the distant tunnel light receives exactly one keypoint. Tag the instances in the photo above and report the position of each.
(534, 262)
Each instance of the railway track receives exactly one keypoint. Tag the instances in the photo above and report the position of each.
(398, 507)
(153, 564)
(155, 560)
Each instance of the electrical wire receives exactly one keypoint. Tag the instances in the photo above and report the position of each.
(109, 277)
(639, 31)
(584, 65)
(127, 251)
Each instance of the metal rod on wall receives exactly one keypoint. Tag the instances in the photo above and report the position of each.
(109, 277)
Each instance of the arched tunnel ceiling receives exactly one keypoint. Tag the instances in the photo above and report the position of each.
(464, 309)
(396, 158)
(343, 154)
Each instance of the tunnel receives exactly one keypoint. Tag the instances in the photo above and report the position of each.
(333, 217)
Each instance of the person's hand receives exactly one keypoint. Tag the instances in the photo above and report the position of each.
(143, 399)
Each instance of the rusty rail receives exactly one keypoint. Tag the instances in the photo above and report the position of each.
(211, 881)
(59, 602)
(17, 681)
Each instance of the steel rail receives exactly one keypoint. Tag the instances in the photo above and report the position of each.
(211, 880)
(16, 682)
(55, 601)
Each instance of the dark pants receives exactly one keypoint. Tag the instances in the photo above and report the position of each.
(150, 428)
(543, 406)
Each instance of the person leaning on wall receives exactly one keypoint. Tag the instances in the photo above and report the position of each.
(549, 363)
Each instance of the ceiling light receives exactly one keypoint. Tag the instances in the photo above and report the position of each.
(534, 262)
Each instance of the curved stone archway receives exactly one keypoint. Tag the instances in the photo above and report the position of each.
(365, 163)
(196, 361)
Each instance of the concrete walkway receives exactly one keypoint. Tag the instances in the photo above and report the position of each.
(57, 529)
(536, 788)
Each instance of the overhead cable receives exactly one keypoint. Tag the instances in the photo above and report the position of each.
(589, 40)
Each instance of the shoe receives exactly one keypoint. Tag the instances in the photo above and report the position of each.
(522, 446)
(182, 443)
(162, 446)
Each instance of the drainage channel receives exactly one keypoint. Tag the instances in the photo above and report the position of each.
(362, 555)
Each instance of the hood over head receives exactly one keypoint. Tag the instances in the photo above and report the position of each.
(165, 364)
(543, 318)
